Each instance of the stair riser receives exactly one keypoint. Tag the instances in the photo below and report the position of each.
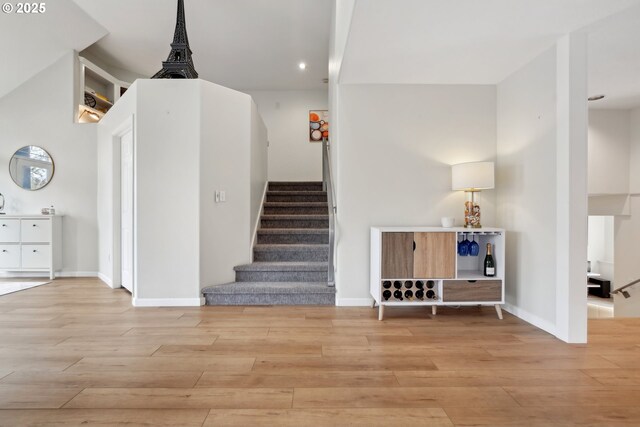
(285, 239)
(316, 255)
(271, 299)
(289, 187)
(296, 210)
(281, 276)
(296, 198)
(294, 223)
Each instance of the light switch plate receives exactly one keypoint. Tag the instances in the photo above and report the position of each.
(223, 196)
(217, 197)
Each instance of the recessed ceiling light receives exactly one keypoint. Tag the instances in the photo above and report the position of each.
(596, 97)
(302, 66)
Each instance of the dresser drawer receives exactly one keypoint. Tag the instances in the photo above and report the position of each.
(36, 230)
(36, 256)
(470, 291)
(9, 230)
(9, 256)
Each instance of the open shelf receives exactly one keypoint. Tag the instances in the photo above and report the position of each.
(97, 92)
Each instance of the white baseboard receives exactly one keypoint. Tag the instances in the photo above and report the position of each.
(18, 274)
(106, 280)
(167, 302)
(536, 321)
(354, 302)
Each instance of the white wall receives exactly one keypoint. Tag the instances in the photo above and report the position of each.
(526, 181)
(40, 112)
(634, 151)
(609, 137)
(600, 247)
(627, 267)
(286, 114)
(397, 143)
(542, 188)
(191, 139)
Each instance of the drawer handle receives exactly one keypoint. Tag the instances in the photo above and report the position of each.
(4, 225)
(35, 250)
(34, 225)
(4, 250)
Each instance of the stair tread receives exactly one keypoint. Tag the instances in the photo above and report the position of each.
(293, 231)
(289, 246)
(296, 204)
(283, 266)
(296, 182)
(296, 193)
(290, 216)
(270, 288)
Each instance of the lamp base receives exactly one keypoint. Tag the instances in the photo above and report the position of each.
(471, 211)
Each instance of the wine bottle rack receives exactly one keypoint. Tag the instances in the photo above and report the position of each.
(422, 266)
(416, 290)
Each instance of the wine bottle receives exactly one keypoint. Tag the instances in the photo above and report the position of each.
(408, 294)
(386, 294)
(408, 284)
(419, 285)
(397, 295)
(489, 263)
(431, 294)
(397, 284)
(430, 284)
(386, 284)
(419, 294)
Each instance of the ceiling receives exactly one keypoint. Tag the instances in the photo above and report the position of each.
(241, 44)
(462, 41)
(31, 43)
(614, 61)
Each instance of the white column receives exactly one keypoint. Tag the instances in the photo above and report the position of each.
(571, 172)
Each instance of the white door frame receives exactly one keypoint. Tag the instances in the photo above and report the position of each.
(126, 127)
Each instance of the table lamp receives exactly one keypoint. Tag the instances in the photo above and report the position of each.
(472, 178)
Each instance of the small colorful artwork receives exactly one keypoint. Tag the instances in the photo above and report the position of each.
(318, 125)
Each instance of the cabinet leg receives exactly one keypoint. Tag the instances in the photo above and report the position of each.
(52, 275)
(380, 312)
(499, 311)
(434, 310)
(373, 304)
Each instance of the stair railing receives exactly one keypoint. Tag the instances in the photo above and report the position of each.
(327, 185)
(622, 289)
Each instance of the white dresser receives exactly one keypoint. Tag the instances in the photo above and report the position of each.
(31, 243)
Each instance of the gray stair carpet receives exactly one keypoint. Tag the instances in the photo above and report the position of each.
(291, 252)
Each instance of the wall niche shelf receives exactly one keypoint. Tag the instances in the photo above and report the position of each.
(413, 266)
(97, 91)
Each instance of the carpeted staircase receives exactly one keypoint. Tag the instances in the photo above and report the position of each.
(291, 253)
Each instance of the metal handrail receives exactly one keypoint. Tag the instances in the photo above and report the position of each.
(327, 184)
(622, 289)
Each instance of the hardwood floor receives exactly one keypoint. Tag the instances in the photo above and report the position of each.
(75, 352)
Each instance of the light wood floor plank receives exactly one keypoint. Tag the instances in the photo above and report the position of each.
(626, 396)
(300, 379)
(327, 364)
(239, 349)
(402, 397)
(121, 378)
(190, 398)
(104, 417)
(34, 397)
(212, 363)
(493, 378)
(369, 417)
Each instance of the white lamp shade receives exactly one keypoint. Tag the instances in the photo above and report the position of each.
(472, 176)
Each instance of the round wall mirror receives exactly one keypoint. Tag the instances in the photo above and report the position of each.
(31, 168)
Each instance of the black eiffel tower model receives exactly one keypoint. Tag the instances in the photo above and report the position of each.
(179, 64)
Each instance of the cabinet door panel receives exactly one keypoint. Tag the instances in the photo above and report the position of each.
(435, 256)
(397, 255)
